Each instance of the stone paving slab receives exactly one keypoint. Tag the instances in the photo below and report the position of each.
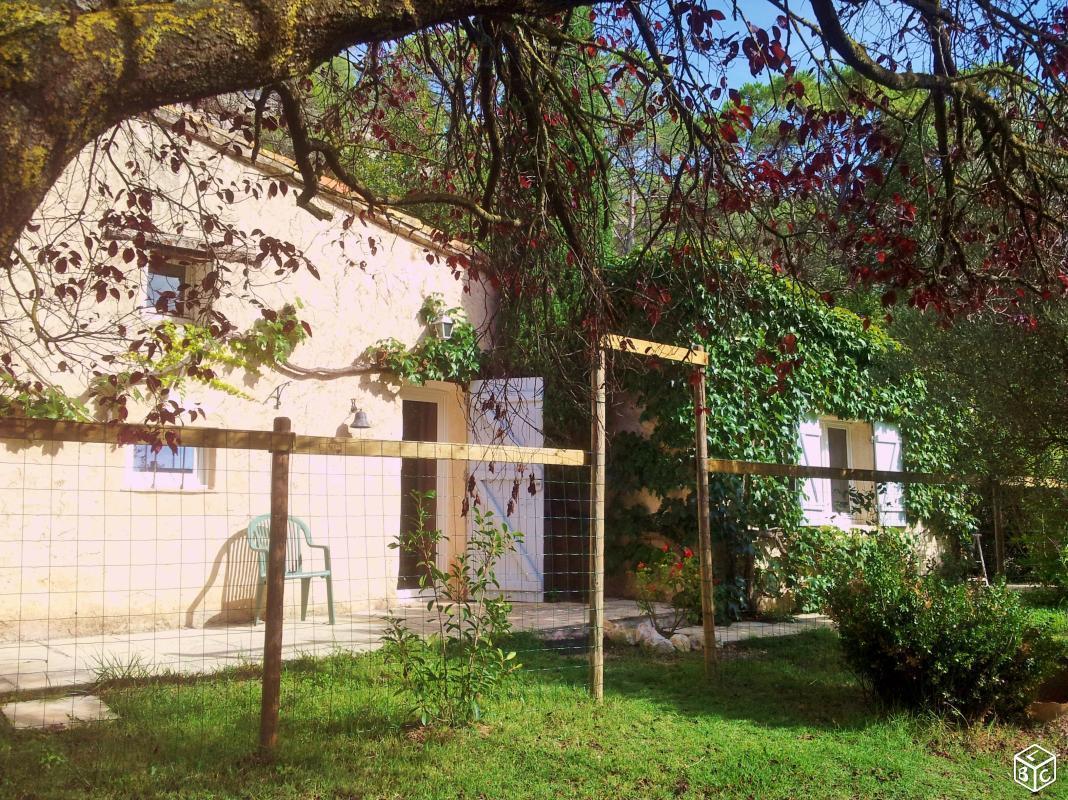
(72, 661)
(752, 629)
(57, 713)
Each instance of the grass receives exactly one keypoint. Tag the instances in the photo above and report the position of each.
(784, 719)
(1048, 608)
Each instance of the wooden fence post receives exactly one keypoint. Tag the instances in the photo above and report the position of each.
(597, 487)
(704, 524)
(276, 568)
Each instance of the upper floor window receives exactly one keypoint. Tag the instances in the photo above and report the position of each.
(164, 282)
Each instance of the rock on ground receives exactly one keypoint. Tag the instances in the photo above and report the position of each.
(617, 633)
(696, 635)
(681, 642)
(649, 639)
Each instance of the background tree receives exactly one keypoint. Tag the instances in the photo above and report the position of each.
(1011, 374)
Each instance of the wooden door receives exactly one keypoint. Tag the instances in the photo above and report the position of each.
(418, 476)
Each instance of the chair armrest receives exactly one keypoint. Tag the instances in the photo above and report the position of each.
(326, 552)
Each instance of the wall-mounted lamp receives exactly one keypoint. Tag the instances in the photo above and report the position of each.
(359, 418)
(277, 394)
(443, 326)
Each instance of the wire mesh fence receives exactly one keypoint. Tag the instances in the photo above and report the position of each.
(137, 565)
(142, 570)
(1030, 520)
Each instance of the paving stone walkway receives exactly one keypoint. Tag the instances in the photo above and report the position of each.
(64, 662)
(56, 713)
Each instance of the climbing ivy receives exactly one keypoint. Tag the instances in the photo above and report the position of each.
(777, 352)
(457, 359)
(271, 340)
(38, 401)
(178, 353)
(173, 354)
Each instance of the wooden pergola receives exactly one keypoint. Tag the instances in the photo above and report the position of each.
(696, 357)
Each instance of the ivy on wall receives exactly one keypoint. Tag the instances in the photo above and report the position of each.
(191, 352)
(777, 352)
(178, 353)
(457, 359)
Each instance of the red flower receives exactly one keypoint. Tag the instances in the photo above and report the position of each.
(677, 567)
(641, 565)
(664, 547)
(687, 553)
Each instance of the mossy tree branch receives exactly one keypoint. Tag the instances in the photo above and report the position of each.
(70, 71)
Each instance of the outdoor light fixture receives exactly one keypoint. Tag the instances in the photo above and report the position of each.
(359, 418)
(444, 325)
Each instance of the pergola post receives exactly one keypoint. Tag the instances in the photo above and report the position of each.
(999, 529)
(704, 523)
(276, 568)
(597, 506)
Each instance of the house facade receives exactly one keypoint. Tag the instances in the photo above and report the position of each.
(100, 539)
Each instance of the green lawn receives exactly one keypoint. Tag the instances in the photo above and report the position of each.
(784, 719)
(1049, 609)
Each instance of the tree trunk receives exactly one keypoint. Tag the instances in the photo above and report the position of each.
(70, 69)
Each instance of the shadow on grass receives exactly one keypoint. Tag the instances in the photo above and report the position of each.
(797, 681)
(339, 720)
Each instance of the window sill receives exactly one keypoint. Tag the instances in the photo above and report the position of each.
(169, 490)
(151, 315)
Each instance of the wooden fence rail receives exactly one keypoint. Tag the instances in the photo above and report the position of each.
(43, 430)
(760, 468)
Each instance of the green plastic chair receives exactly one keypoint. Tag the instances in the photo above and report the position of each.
(259, 536)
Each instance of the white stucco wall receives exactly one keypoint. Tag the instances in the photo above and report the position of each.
(83, 551)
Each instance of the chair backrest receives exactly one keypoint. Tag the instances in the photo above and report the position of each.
(259, 538)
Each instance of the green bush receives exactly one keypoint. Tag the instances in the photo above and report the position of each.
(960, 648)
(448, 675)
(1046, 560)
(804, 561)
(729, 600)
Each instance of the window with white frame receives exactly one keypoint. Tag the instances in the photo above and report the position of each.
(849, 444)
(836, 446)
(168, 468)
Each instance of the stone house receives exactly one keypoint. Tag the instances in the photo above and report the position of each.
(99, 538)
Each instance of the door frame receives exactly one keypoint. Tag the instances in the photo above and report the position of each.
(426, 394)
(825, 445)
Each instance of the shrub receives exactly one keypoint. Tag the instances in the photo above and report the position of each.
(1049, 565)
(674, 578)
(729, 600)
(448, 675)
(803, 561)
(960, 648)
